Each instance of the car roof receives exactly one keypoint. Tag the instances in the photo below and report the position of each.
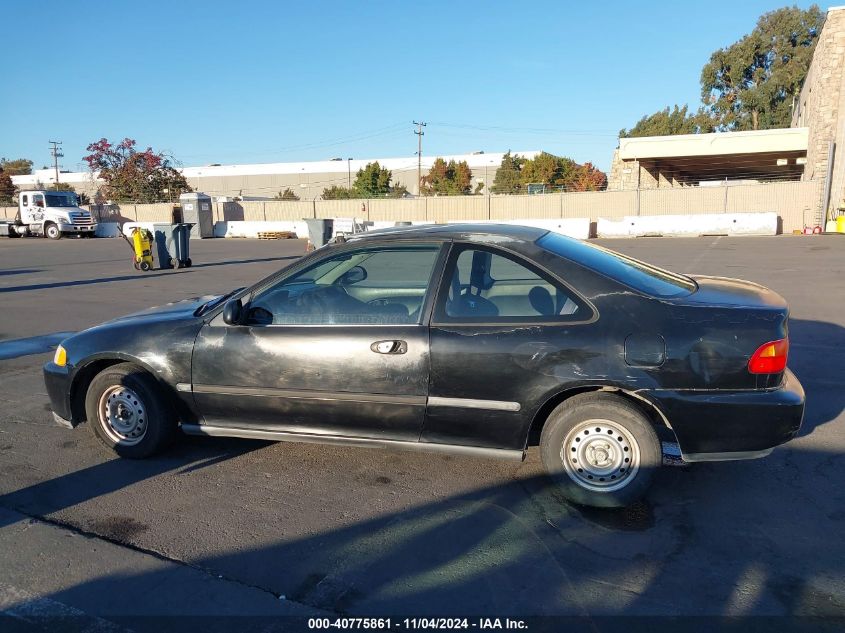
(476, 232)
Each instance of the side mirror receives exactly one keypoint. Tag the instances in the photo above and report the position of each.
(232, 312)
(352, 276)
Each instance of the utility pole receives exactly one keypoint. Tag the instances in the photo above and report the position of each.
(419, 132)
(57, 154)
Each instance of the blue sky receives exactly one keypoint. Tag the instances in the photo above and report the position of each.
(239, 82)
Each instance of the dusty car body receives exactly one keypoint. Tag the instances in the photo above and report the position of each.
(462, 338)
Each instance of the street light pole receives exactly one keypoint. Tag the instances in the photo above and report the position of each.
(349, 173)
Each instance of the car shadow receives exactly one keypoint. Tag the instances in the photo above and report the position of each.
(518, 549)
(54, 495)
(814, 356)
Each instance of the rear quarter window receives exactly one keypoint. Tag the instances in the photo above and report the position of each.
(638, 275)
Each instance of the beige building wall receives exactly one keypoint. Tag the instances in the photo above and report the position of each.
(794, 202)
(821, 108)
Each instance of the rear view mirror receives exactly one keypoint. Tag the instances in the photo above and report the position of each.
(352, 276)
(232, 312)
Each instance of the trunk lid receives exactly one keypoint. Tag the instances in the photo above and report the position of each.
(718, 328)
(738, 293)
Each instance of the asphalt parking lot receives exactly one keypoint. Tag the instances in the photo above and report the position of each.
(219, 526)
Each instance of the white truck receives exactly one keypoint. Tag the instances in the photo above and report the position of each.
(50, 214)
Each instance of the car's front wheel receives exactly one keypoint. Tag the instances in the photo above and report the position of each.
(127, 413)
(600, 450)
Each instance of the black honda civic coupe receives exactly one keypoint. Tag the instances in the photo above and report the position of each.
(468, 339)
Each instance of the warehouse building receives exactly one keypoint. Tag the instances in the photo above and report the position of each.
(306, 179)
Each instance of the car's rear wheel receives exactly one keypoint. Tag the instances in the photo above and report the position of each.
(127, 412)
(600, 450)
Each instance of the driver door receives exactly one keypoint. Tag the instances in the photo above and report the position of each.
(335, 349)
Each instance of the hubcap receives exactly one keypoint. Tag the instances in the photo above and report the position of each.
(123, 415)
(600, 455)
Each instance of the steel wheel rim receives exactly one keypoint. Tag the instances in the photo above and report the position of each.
(52, 231)
(600, 455)
(123, 415)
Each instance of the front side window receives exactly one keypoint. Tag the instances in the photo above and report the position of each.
(491, 287)
(377, 286)
(38, 200)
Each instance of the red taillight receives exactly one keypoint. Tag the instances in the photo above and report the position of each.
(770, 358)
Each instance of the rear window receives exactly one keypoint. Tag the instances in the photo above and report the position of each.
(627, 270)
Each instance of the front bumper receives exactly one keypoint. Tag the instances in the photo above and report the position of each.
(726, 425)
(77, 228)
(57, 380)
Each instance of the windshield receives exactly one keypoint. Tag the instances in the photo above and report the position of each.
(60, 199)
(644, 277)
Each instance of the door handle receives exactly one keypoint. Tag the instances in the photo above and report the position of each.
(389, 347)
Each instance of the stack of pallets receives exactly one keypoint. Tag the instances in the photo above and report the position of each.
(276, 235)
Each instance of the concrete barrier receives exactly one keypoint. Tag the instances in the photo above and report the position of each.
(237, 228)
(689, 225)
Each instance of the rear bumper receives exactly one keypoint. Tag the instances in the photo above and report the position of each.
(726, 425)
(57, 380)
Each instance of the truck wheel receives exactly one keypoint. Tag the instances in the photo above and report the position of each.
(175, 263)
(127, 413)
(188, 263)
(600, 450)
(52, 231)
(145, 266)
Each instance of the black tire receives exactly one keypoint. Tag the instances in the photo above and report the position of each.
(122, 385)
(12, 234)
(613, 432)
(52, 231)
(187, 263)
(145, 266)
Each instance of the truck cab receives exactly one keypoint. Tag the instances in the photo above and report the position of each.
(52, 214)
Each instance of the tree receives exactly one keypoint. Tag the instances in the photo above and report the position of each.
(507, 178)
(16, 167)
(7, 188)
(555, 172)
(587, 177)
(750, 84)
(337, 193)
(287, 194)
(447, 179)
(134, 176)
(372, 181)
(668, 122)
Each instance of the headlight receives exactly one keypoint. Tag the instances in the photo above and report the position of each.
(60, 358)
